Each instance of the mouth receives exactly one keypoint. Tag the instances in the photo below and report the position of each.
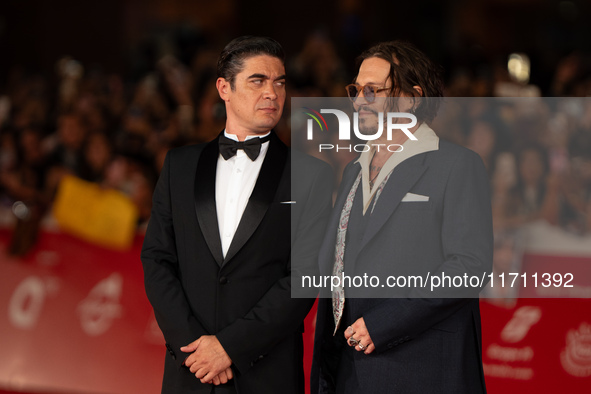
(364, 111)
(268, 110)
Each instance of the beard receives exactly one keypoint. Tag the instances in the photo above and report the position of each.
(369, 123)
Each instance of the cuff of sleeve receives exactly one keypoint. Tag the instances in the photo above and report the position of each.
(381, 335)
(230, 343)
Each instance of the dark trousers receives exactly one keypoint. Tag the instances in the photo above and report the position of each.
(224, 389)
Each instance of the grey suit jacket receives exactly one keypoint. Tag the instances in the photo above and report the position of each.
(423, 345)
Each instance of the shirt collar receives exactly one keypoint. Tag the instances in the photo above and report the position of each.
(248, 137)
(426, 141)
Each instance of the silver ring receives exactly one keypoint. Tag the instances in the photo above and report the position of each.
(353, 342)
(361, 346)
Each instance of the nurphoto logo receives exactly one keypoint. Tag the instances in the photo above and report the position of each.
(344, 122)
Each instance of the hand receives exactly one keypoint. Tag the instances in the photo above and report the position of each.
(223, 377)
(208, 359)
(357, 331)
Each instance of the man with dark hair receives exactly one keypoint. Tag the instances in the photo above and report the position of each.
(423, 208)
(216, 255)
(231, 60)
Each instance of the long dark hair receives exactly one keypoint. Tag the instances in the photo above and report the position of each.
(410, 67)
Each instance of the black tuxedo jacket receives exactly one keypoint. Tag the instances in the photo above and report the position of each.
(244, 298)
(423, 345)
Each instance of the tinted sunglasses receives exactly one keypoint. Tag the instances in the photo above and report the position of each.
(369, 91)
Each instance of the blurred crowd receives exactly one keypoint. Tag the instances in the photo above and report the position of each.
(537, 152)
(115, 132)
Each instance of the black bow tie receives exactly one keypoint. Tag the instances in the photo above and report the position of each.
(251, 147)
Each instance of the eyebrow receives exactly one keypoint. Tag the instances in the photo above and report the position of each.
(266, 76)
(369, 83)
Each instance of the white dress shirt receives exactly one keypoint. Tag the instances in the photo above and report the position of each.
(234, 183)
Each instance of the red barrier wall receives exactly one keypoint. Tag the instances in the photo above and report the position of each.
(74, 318)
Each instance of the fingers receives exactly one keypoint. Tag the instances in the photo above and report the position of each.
(349, 332)
(359, 328)
(190, 362)
(190, 348)
(208, 377)
(358, 337)
(223, 378)
(370, 348)
(366, 348)
(208, 361)
(352, 341)
(200, 373)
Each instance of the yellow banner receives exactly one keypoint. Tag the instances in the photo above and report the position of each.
(104, 217)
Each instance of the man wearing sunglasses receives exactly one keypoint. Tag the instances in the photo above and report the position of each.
(423, 207)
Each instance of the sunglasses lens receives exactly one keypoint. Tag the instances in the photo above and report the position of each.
(369, 93)
(352, 91)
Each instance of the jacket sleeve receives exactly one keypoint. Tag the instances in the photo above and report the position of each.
(161, 274)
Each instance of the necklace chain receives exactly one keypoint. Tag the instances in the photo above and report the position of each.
(377, 169)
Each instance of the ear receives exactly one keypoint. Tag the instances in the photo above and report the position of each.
(419, 90)
(224, 88)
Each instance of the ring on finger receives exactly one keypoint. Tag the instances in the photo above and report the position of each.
(361, 346)
(353, 342)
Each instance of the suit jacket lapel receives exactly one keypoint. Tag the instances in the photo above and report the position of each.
(403, 178)
(262, 195)
(205, 205)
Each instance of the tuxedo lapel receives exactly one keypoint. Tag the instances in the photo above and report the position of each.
(205, 205)
(402, 179)
(262, 195)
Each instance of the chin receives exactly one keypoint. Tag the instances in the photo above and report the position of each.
(268, 125)
(368, 118)
(368, 125)
(262, 129)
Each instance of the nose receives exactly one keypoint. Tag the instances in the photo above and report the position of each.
(360, 99)
(360, 92)
(270, 91)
